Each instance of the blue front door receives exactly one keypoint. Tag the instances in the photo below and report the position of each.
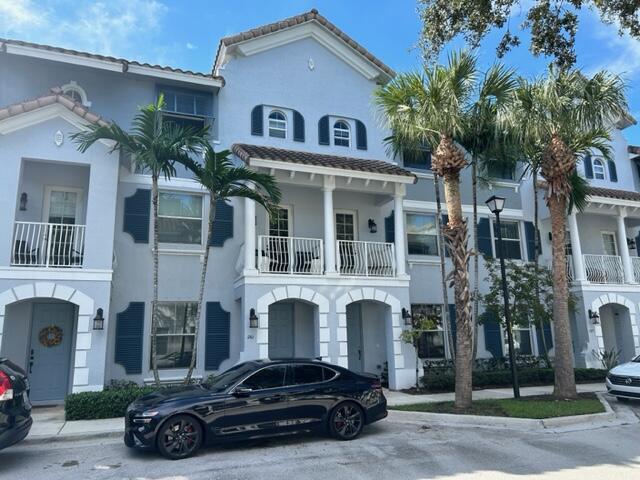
(50, 353)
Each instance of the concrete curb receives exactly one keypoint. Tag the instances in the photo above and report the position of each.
(574, 422)
(70, 437)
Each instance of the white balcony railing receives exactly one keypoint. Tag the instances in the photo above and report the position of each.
(37, 244)
(369, 259)
(570, 268)
(635, 263)
(604, 269)
(292, 255)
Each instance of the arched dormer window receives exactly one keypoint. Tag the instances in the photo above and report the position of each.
(598, 169)
(76, 92)
(341, 134)
(277, 124)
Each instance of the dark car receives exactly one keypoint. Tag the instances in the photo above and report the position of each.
(255, 399)
(15, 408)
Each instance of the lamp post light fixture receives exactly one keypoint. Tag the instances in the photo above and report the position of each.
(594, 317)
(406, 316)
(496, 205)
(253, 318)
(98, 320)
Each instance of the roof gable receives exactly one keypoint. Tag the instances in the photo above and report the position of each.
(306, 25)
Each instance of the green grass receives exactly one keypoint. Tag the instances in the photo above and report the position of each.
(544, 406)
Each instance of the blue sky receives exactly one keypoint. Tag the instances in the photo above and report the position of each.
(185, 33)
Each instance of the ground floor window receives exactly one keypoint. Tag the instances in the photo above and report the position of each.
(521, 341)
(431, 342)
(176, 334)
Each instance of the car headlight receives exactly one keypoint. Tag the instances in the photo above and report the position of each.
(150, 413)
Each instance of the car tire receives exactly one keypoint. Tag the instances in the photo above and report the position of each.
(179, 437)
(346, 421)
(622, 399)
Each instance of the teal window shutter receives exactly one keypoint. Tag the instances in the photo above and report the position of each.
(530, 234)
(484, 237)
(222, 224)
(298, 127)
(137, 209)
(129, 332)
(452, 322)
(217, 336)
(389, 228)
(548, 337)
(361, 135)
(257, 121)
(323, 130)
(588, 166)
(492, 334)
(613, 173)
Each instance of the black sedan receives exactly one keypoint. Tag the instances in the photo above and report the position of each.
(255, 399)
(15, 408)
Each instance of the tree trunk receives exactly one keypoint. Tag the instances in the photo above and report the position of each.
(456, 234)
(154, 303)
(203, 279)
(446, 321)
(476, 274)
(536, 260)
(565, 384)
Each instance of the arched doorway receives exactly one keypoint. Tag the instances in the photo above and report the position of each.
(617, 334)
(292, 329)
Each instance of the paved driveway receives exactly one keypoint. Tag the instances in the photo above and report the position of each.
(388, 449)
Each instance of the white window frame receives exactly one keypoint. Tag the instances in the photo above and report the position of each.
(505, 344)
(47, 201)
(202, 215)
(174, 302)
(354, 213)
(289, 209)
(494, 238)
(278, 128)
(74, 87)
(406, 235)
(334, 129)
(604, 244)
(603, 173)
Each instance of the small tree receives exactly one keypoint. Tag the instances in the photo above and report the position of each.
(419, 324)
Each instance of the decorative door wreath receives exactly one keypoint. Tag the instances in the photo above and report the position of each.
(50, 336)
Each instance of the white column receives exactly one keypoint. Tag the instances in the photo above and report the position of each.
(576, 249)
(329, 228)
(249, 236)
(398, 219)
(623, 249)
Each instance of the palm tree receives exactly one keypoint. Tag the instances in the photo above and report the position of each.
(155, 145)
(433, 108)
(563, 117)
(223, 180)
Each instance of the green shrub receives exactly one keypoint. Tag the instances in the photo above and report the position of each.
(110, 403)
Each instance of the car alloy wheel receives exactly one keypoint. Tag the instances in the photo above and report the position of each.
(179, 437)
(347, 421)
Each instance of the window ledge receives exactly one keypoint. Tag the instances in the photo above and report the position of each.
(421, 173)
(180, 251)
(505, 184)
(426, 260)
(171, 379)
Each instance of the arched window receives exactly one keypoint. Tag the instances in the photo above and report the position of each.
(341, 134)
(76, 92)
(277, 124)
(598, 169)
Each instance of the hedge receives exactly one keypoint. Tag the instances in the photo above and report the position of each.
(110, 403)
(435, 381)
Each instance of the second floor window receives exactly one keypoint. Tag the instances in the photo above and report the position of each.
(186, 108)
(501, 171)
(180, 218)
(341, 134)
(418, 159)
(510, 239)
(422, 234)
(598, 169)
(277, 124)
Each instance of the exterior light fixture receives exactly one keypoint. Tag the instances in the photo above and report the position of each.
(23, 201)
(594, 317)
(406, 316)
(495, 204)
(373, 228)
(631, 243)
(253, 318)
(98, 320)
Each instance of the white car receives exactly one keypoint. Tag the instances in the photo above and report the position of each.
(623, 381)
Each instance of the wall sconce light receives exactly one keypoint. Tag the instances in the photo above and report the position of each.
(253, 318)
(23, 201)
(98, 320)
(631, 243)
(373, 228)
(594, 317)
(406, 316)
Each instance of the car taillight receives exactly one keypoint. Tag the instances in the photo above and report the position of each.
(6, 390)
(376, 385)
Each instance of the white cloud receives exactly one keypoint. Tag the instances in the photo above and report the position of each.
(621, 53)
(20, 13)
(191, 46)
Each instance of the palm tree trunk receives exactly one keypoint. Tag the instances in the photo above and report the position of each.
(536, 259)
(443, 271)
(203, 278)
(565, 384)
(456, 234)
(154, 303)
(476, 271)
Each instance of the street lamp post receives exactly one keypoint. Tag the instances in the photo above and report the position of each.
(496, 204)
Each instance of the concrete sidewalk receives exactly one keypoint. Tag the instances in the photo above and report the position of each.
(49, 423)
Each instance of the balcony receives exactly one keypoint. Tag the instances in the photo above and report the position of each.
(49, 245)
(604, 269)
(366, 259)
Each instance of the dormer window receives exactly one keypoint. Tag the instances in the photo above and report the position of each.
(277, 124)
(341, 134)
(76, 93)
(598, 169)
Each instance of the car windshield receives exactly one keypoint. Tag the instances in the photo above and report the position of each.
(225, 380)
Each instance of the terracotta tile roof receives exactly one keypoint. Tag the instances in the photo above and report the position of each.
(125, 63)
(245, 152)
(612, 193)
(312, 15)
(55, 95)
(633, 149)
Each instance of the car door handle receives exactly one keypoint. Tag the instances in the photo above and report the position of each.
(273, 398)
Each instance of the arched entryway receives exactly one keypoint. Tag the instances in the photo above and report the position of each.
(45, 327)
(617, 330)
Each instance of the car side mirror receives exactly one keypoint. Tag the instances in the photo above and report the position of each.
(242, 392)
